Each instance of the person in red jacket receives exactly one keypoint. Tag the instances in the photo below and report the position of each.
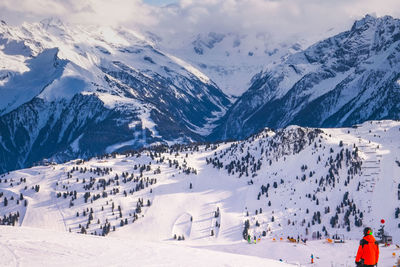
(368, 251)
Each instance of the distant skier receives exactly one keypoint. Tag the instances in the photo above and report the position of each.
(368, 251)
(249, 239)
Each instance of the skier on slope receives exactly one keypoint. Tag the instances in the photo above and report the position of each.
(368, 251)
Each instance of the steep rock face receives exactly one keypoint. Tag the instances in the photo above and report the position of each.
(80, 127)
(70, 91)
(346, 79)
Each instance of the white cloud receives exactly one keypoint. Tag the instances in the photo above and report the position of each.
(111, 12)
(278, 17)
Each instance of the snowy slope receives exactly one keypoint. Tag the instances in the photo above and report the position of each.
(343, 80)
(293, 182)
(19, 248)
(63, 85)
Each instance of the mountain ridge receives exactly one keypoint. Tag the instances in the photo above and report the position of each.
(148, 95)
(153, 97)
(340, 81)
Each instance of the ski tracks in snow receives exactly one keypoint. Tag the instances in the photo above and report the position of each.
(10, 259)
(46, 210)
(58, 207)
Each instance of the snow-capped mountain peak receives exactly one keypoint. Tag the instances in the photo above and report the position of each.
(58, 70)
(340, 81)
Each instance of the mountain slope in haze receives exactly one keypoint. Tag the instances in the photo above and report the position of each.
(343, 80)
(71, 91)
(230, 59)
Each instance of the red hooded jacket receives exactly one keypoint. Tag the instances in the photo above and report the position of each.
(368, 251)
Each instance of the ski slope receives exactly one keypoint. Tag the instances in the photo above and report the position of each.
(25, 246)
(20, 248)
(192, 192)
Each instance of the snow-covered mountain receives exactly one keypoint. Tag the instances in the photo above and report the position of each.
(73, 91)
(77, 91)
(230, 59)
(307, 182)
(344, 80)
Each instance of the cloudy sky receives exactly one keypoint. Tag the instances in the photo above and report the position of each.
(279, 17)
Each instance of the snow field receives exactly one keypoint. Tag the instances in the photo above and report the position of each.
(37, 247)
